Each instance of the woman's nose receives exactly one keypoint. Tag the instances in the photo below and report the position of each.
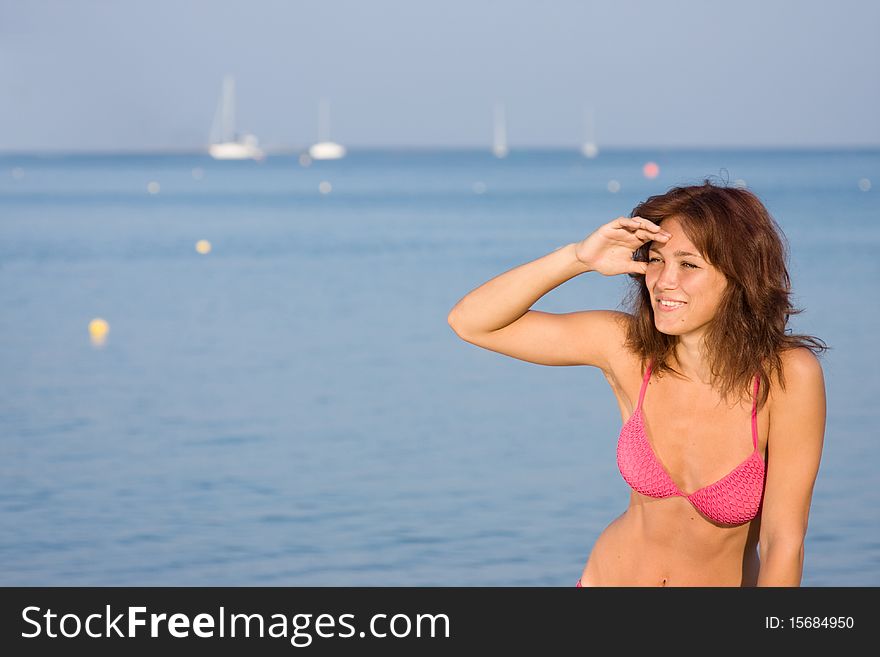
(668, 277)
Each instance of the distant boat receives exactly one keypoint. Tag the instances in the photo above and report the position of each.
(499, 140)
(225, 144)
(325, 149)
(589, 148)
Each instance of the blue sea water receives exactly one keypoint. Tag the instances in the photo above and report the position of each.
(292, 407)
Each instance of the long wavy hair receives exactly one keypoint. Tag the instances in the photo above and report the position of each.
(734, 231)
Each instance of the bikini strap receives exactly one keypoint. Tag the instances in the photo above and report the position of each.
(755, 413)
(644, 384)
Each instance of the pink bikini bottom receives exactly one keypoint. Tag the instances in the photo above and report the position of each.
(578, 585)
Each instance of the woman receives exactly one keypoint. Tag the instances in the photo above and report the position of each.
(723, 410)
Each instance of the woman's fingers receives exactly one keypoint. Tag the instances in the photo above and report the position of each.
(633, 226)
(650, 227)
(647, 224)
(639, 231)
(639, 267)
(647, 236)
(643, 235)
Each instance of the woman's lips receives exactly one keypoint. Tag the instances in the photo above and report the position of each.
(669, 309)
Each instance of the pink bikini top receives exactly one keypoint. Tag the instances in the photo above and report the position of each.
(733, 500)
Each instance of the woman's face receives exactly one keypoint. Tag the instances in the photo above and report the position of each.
(674, 276)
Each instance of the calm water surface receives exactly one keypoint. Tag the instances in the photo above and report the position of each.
(293, 409)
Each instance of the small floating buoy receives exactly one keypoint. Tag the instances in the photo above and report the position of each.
(651, 169)
(98, 330)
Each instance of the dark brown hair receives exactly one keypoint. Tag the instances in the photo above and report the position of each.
(737, 235)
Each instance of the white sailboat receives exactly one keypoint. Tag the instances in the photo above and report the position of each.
(499, 138)
(225, 144)
(589, 148)
(325, 149)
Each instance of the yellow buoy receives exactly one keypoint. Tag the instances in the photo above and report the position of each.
(203, 246)
(98, 330)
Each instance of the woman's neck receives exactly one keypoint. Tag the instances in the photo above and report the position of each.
(691, 359)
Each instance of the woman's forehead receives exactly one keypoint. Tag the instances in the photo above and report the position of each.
(678, 251)
(679, 241)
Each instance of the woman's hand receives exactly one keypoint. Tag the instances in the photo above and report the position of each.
(610, 248)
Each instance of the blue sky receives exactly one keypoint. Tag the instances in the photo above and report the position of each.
(124, 75)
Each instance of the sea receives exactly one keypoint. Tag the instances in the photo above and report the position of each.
(220, 373)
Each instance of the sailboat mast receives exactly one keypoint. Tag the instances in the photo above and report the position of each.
(499, 145)
(323, 120)
(588, 115)
(589, 148)
(228, 108)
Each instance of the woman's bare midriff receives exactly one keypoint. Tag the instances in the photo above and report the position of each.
(667, 542)
(661, 542)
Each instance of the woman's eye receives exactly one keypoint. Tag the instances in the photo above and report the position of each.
(684, 264)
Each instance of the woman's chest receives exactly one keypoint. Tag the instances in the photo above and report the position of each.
(692, 433)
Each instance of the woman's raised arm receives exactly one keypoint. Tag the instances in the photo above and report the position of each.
(497, 315)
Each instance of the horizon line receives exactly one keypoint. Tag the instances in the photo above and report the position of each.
(287, 150)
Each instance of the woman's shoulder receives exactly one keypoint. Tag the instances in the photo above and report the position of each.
(800, 362)
(801, 369)
(800, 358)
(798, 408)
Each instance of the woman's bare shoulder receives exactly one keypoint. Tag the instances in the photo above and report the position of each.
(800, 367)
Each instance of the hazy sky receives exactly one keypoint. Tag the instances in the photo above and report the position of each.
(146, 74)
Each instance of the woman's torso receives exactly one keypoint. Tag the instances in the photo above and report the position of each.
(698, 439)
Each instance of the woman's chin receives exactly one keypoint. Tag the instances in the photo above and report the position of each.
(676, 331)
